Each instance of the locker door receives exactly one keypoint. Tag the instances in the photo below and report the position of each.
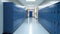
(30, 14)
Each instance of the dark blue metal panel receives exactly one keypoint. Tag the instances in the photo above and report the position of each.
(58, 16)
(8, 17)
(30, 13)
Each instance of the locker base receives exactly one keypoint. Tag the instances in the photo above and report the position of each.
(7, 33)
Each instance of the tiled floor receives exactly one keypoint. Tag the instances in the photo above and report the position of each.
(31, 26)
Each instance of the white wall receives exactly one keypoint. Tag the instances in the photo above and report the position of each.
(1, 17)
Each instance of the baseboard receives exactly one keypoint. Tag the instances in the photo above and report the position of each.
(7, 33)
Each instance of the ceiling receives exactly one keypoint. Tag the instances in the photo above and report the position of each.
(36, 3)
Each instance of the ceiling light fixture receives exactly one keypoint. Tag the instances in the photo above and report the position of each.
(30, 0)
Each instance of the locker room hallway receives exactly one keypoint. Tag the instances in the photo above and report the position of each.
(31, 26)
(30, 17)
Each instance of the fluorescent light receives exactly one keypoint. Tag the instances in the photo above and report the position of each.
(30, 0)
(20, 6)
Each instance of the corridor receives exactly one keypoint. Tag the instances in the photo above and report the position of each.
(30, 17)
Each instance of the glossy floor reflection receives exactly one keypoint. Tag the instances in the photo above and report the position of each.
(31, 26)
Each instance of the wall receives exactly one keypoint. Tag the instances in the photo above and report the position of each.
(1, 17)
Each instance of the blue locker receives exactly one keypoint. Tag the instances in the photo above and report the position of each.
(58, 12)
(19, 16)
(13, 17)
(8, 17)
(48, 17)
